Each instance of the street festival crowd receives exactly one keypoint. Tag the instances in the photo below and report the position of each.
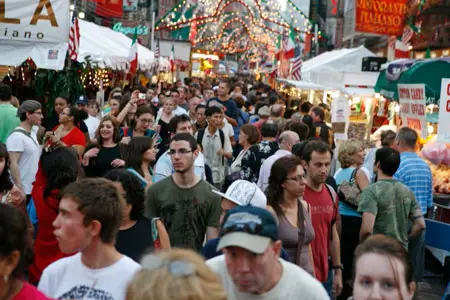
(204, 189)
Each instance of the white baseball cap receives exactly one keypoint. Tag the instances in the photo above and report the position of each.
(244, 193)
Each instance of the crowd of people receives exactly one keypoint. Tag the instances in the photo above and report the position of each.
(204, 190)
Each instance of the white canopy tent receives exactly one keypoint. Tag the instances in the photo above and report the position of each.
(340, 69)
(109, 48)
(303, 84)
(104, 46)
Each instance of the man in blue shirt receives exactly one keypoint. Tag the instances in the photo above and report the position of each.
(416, 175)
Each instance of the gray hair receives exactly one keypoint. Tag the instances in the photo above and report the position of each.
(407, 137)
(288, 136)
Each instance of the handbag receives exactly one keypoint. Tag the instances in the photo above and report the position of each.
(349, 191)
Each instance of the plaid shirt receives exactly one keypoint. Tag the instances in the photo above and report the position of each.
(416, 174)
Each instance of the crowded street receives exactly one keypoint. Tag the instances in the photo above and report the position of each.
(224, 150)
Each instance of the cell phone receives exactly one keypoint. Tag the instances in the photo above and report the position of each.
(141, 96)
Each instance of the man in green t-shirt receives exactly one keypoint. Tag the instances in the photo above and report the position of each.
(184, 202)
(388, 205)
(8, 113)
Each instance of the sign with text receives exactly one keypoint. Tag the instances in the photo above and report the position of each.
(380, 16)
(444, 112)
(34, 20)
(412, 107)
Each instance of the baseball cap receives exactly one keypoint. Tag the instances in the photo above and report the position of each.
(243, 192)
(82, 100)
(248, 227)
(264, 111)
(28, 106)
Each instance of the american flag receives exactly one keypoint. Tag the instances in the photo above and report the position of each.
(74, 37)
(157, 50)
(407, 35)
(297, 63)
(391, 42)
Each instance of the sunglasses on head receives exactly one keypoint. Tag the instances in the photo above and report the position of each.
(251, 227)
(177, 268)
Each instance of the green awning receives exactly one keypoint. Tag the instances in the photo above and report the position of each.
(429, 71)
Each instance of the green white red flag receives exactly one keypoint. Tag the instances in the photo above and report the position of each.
(133, 55)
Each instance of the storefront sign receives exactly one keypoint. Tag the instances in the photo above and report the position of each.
(412, 107)
(380, 16)
(130, 5)
(34, 20)
(141, 29)
(444, 113)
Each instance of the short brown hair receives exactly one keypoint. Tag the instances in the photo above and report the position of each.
(252, 133)
(94, 102)
(319, 111)
(97, 199)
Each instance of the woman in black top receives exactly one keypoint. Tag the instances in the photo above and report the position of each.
(105, 155)
(135, 236)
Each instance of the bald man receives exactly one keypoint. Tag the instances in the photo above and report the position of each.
(192, 104)
(286, 141)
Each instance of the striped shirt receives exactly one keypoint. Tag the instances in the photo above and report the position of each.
(416, 174)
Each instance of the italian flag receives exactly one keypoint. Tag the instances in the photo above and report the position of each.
(279, 50)
(289, 51)
(133, 55)
(401, 50)
(172, 58)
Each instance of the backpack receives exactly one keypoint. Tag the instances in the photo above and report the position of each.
(337, 220)
(201, 134)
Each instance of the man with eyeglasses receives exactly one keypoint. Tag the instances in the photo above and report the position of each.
(23, 147)
(164, 167)
(250, 267)
(183, 201)
(286, 141)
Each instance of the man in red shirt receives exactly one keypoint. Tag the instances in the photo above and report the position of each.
(324, 212)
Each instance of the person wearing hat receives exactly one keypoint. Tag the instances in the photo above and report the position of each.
(250, 267)
(264, 114)
(239, 193)
(82, 103)
(23, 146)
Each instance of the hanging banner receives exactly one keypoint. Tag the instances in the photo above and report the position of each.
(35, 21)
(412, 107)
(340, 114)
(444, 112)
(109, 8)
(130, 5)
(381, 16)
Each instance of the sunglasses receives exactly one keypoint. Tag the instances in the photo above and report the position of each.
(177, 268)
(250, 227)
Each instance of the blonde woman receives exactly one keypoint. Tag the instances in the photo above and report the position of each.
(351, 157)
(176, 274)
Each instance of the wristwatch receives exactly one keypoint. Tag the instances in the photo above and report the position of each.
(341, 267)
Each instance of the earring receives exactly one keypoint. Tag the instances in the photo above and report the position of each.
(5, 278)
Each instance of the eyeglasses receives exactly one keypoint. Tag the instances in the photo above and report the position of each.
(173, 152)
(251, 227)
(297, 178)
(178, 268)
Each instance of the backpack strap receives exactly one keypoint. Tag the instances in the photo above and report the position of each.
(337, 219)
(301, 230)
(26, 133)
(222, 143)
(200, 135)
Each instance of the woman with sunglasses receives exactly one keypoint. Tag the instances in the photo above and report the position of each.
(105, 154)
(285, 199)
(139, 157)
(176, 274)
(67, 133)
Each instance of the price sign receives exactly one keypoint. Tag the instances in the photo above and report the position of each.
(444, 112)
(412, 107)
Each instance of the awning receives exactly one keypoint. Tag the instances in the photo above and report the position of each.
(428, 71)
(108, 48)
(357, 91)
(307, 85)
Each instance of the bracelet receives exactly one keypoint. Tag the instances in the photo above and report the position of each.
(340, 267)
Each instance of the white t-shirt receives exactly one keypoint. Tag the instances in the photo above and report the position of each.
(92, 125)
(69, 278)
(30, 152)
(164, 167)
(228, 130)
(295, 283)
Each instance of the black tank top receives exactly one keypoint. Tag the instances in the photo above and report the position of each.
(136, 241)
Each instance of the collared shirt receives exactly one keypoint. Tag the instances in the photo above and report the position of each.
(164, 167)
(211, 145)
(416, 174)
(255, 157)
(264, 173)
